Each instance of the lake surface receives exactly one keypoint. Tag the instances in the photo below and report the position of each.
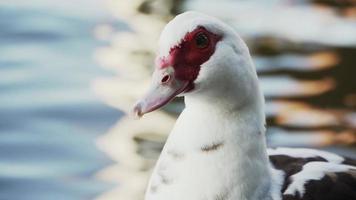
(49, 116)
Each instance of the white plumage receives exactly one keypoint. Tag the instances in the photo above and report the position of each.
(217, 148)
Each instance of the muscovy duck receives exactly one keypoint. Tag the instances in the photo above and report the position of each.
(217, 148)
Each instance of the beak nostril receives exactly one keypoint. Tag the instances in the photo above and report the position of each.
(166, 78)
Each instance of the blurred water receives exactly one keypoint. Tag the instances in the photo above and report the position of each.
(49, 116)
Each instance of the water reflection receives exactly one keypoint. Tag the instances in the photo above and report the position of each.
(49, 117)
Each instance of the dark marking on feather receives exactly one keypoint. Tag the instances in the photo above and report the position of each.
(340, 187)
(212, 147)
(349, 161)
(164, 179)
(332, 186)
(291, 165)
(175, 154)
(153, 188)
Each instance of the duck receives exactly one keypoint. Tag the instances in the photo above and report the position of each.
(217, 148)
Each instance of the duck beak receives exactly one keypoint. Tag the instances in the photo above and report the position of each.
(164, 88)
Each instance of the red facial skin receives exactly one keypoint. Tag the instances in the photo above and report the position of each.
(186, 58)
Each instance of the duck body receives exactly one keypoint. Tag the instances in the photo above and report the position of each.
(221, 167)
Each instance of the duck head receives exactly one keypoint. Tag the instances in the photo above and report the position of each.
(199, 56)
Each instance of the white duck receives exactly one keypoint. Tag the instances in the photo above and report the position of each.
(217, 148)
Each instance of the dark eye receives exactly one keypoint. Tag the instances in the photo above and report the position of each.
(201, 40)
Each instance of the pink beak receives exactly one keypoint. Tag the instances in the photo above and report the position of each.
(164, 88)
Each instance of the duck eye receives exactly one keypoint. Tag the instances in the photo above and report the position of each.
(201, 40)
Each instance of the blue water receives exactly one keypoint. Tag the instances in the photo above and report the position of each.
(49, 117)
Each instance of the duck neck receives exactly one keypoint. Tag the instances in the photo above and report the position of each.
(243, 125)
(238, 132)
